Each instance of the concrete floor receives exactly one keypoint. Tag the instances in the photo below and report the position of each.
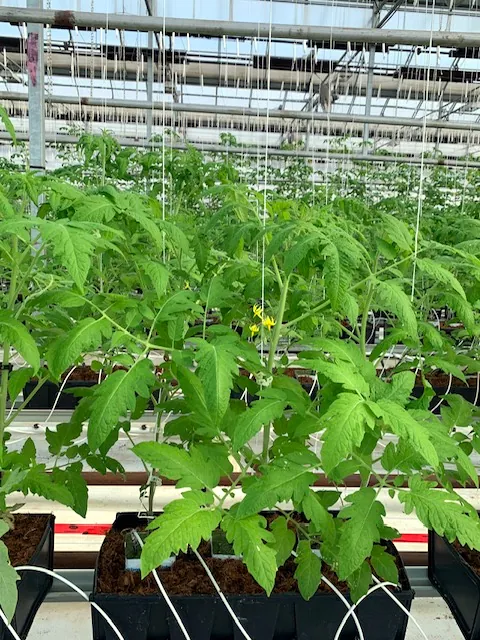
(72, 621)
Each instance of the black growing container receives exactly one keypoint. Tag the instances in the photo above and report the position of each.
(457, 583)
(33, 586)
(47, 394)
(278, 617)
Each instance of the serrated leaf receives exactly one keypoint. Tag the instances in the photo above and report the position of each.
(457, 412)
(115, 397)
(94, 208)
(309, 570)
(7, 123)
(440, 275)
(261, 413)
(462, 308)
(340, 373)
(284, 541)
(157, 273)
(396, 231)
(63, 436)
(360, 581)
(217, 364)
(443, 511)
(8, 584)
(360, 531)
(298, 252)
(17, 379)
(194, 394)
(249, 537)
(390, 297)
(72, 247)
(404, 425)
(189, 468)
(85, 336)
(431, 334)
(14, 332)
(183, 524)
(319, 516)
(278, 483)
(344, 423)
(384, 564)
(42, 484)
(400, 388)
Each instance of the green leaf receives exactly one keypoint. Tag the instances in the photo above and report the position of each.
(400, 388)
(298, 252)
(458, 412)
(441, 510)
(447, 367)
(284, 541)
(194, 394)
(277, 484)
(17, 380)
(217, 364)
(190, 468)
(14, 332)
(336, 282)
(344, 423)
(396, 231)
(361, 529)
(43, 484)
(384, 564)
(340, 373)
(115, 397)
(63, 436)
(7, 123)
(94, 208)
(319, 516)
(404, 425)
(431, 335)
(86, 335)
(440, 275)
(249, 537)
(390, 297)
(262, 412)
(157, 273)
(309, 570)
(343, 351)
(8, 584)
(72, 246)
(359, 581)
(183, 524)
(462, 308)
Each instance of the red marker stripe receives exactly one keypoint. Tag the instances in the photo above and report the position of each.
(103, 529)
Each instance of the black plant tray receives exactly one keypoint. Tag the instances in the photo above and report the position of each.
(468, 393)
(33, 586)
(45, 397)
(278, 617)
(457, 583)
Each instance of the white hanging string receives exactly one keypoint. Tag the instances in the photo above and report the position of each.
(81, 593)
(60, 393)
(165, 594)
(222, 596)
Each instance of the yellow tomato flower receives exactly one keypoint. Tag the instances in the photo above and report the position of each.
(254, 329)
(268, 322)
(187, 285)
(258, 311)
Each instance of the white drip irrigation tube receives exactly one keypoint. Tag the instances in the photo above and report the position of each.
(165, 594)
(222, 597)
(354, 606)
(402, 607)
(442, 399)
(72, 586)
(64, 382)
(15, 636)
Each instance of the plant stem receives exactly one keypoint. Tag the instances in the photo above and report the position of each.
(366, 309)
(271, 354)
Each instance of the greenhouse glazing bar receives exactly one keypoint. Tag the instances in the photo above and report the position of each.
(249, 112)
(218, 29)
(260, 151)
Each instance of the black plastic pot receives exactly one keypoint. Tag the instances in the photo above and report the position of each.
(46, 395)
(457, 583)
(468, 393)
(33, 586)
(278, 617)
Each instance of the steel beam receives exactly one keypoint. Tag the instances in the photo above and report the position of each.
(218, 29)
(251, 113)
(260, 151)
(36, 92)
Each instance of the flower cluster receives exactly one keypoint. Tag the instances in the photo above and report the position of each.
(267, 321)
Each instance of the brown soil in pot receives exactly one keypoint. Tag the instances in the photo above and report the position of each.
(187, 576)
(470, 556)
(22, 541)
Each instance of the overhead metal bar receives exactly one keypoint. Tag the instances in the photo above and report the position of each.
(219, 29)
(250, 112)
(316, 156)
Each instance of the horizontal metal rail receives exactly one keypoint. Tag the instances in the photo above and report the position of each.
(279, 114)
(315, 156)
(218, 29)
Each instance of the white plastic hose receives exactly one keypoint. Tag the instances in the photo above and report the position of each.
(354, 606)
(165, 594)
(222, 597)
(75, 588)
(402, 607)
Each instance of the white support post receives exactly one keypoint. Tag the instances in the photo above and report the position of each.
(36, 90)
